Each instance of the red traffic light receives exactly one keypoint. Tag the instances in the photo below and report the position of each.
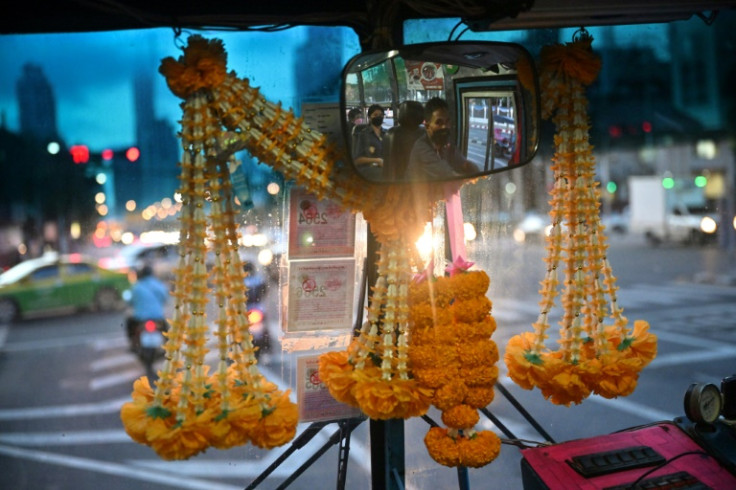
(79, 153)
(150, 326)
(132, 154)
(107, 154)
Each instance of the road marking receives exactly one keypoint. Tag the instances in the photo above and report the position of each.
(65, 438)
(633, 408)
(109, 406)
(113, 361)
(33, 345)
(194, 468)
(702, 356)
(689, 340)
(112, 342)
(122, 377)
(122, 470)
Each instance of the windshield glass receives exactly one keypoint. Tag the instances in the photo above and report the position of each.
(90, 163)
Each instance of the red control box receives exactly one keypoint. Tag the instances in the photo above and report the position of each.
(655, 456)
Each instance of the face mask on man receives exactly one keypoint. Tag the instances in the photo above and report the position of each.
(377, 120)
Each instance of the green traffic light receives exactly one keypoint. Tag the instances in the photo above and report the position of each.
(668, 182)
(611, 187)
(700, 181)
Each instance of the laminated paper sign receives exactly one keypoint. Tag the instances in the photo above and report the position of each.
(319, 228)
(320, 295)
(315, 401)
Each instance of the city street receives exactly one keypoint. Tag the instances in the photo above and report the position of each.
(64, 379)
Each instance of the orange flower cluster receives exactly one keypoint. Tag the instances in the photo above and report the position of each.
(267, 420)
(191, 410)
(473, 449)
(202, 66)
(593, 357)
(451, 353)
(373, 374)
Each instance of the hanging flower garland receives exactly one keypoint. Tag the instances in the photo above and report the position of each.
(593, 357)
(452, 355)
(373, 373)
(190, 409)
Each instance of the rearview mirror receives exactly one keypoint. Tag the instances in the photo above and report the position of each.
(450, 111)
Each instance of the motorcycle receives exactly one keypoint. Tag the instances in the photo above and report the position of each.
(146, 341)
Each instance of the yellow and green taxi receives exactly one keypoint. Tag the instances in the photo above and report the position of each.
(58, 282)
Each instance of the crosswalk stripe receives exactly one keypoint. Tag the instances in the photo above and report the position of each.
(111, 362)
(121, 377)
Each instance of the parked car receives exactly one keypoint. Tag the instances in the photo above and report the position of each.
(58, 282)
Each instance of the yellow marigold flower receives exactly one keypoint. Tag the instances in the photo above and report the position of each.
(479, 375)
(469, 285)
(643, 344)
(414, 400)
(431, 355)
(435, 377)
(185, 440)
(611, 375)
(520, 361)
(479, 450)
(142, 391)
(442, 447)
(233, 428)
(460, 417)
(203, 65)
(478, 353)
(337, 374)
(566, 386)
(423, 335)
(451, 394)
(479, 396)
(575, 60)
(377, 399)
(135, 420)
(471, 310)
(277, 427)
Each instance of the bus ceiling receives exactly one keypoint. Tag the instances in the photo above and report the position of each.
(40, 16)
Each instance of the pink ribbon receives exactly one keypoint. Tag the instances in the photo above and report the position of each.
(456, 230)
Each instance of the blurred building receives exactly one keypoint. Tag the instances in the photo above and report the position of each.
(159, 150)
(36, 104)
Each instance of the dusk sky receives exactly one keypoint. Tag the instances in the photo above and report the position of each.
(92, 73)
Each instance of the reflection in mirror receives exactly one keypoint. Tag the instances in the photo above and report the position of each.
(441, 111)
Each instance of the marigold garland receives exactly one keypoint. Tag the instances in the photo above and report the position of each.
(451, 353)
(593, 357)
(191, 410)
(373, 374)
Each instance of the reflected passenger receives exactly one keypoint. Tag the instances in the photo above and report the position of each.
(400, 139)
(434, 155)
(368, 147)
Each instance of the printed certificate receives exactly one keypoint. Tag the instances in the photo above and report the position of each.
(314, 399)
(321, 294)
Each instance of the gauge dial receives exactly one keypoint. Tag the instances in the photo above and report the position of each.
(703, 403)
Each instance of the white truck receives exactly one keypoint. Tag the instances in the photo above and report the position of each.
(676, 214)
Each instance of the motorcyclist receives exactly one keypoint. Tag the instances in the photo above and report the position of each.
(149, 296)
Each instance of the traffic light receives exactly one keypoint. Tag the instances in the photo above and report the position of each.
(80, 154)
(132, 154)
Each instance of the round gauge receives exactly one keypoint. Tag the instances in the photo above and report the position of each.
(703, 403)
